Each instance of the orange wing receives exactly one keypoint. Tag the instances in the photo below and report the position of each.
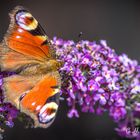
(26, 49)
(15, 86)
(37, 96)
(25, 36)
(13, 61)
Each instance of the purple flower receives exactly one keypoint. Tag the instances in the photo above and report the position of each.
(102, 98)
(137, 106)
(99, 80)
(73, 113)
(100, 110)
(92, 85)
(118, 113)
(7, 112)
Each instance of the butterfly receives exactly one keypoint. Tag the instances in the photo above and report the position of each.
(27, 51)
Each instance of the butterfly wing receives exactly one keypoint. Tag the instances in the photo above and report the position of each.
(16, 86)
(14, 61)
(37, 96)
(25, 37)
(26, 50)
(42, 101)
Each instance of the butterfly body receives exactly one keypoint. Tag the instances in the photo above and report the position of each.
(27, 51)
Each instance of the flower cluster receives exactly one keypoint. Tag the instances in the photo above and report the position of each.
(95, 78)
(7, 111)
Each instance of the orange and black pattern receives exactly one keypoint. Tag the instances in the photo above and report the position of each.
(27, 51)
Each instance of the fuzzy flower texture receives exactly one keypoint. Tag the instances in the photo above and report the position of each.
(97, 80)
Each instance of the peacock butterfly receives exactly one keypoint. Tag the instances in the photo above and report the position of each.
(27, 51)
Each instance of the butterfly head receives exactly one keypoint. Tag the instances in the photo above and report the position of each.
(25, 20)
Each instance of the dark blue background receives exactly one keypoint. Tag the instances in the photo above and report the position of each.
(117, 21)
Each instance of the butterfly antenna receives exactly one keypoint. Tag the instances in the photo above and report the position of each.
(80, 36)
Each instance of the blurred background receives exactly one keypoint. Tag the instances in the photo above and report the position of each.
(117, 21)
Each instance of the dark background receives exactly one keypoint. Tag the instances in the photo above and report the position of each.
(117, 21)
